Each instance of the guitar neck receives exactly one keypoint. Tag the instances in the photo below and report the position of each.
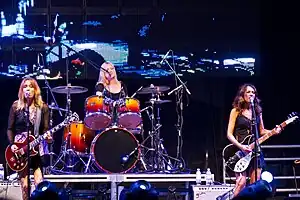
(42, 137)
(267, 136)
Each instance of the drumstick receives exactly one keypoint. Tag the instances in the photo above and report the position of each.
(137, 91)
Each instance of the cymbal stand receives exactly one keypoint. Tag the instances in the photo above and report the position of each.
(54, 103)
(161, 159)
(181, 163)
(67, 154)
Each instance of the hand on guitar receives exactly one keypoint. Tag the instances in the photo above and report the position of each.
(14, 148)
(245, 148)
(49, 138)
(277, 129)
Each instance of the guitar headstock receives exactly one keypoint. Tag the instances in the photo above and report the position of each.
(293, 117)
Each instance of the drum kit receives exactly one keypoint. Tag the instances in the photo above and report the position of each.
(105, 141)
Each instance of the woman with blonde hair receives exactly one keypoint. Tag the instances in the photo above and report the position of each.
(29, 101)
(108, 84)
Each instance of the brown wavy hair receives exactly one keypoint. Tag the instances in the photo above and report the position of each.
(239, 102)
(37, 100)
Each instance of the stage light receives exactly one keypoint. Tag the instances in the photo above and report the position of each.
(141, 184)
(139, 190)
(261, 189)
(267, 176)
(45, 190)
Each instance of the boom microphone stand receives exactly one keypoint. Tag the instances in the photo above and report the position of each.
(257, 148)
(92, 63)
(53, 104)
(47, 84)
(180, 103)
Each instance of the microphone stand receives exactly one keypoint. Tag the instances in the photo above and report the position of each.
(179, 125)
(51, 111)
(48, 86)
(28, 146)
(254, 131)
(95, 65)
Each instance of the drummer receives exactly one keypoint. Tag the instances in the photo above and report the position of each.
(110, 87)
(108, 84)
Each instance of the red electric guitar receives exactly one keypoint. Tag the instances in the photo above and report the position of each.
(17, 161)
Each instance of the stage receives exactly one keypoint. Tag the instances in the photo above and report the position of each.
(117, 182)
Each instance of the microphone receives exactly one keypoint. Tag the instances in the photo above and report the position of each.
(125, 159)
(165, 56)
(252, 100)
(27, 94)
(38, 59)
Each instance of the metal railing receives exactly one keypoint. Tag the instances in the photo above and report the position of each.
(273, 159)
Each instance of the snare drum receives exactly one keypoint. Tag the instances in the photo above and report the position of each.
(129, 115)
(80, 137)
(97, 113)
(111, 148)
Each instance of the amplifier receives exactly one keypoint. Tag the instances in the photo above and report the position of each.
(212, 192)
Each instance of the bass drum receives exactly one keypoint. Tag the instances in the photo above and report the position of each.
(110, 148)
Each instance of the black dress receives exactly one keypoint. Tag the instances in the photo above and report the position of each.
(114, 96)
(242, 129)
(17, 124)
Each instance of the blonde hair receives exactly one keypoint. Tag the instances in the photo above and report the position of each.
(37, 100)
(102, 79)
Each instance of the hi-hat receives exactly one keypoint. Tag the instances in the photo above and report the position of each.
(69, 89)
(153, 89)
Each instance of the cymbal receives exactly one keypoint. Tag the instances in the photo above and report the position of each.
(71, 89)
(153, 89)
(160, 101)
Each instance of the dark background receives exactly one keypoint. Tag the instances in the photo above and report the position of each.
(205, 118)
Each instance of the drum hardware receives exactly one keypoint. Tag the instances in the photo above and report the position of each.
(53, 104)
(67, 153)
(140, 148)
(68, 89)
(160, 161)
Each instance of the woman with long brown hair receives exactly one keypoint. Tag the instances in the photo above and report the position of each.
(239, 127)
(29, 97)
